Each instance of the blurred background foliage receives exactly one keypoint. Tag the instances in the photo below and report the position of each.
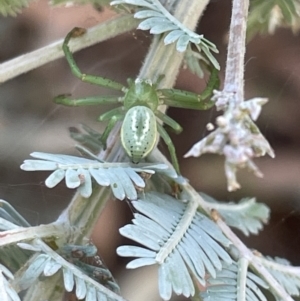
(31, 122)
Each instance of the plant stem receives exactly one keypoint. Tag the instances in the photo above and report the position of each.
(234, 74)
(49, 53)
(241, 278)
(56, 229)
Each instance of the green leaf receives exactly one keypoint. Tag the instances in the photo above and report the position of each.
(178, 238)
(12, 7)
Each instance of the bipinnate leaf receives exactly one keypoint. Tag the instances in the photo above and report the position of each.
(78, 173)
(158, 20)
(7, 292)
(178, 238)
(247, 216)
(288, 276)
(11, 215)
(224, 285)
(47, 262)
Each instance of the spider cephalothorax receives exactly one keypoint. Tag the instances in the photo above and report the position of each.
(139, 111)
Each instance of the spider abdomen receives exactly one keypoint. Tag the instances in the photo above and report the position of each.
(138, 132)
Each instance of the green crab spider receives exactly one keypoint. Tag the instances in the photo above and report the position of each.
(139, 110)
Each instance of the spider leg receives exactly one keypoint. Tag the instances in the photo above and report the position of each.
(114, 112)
(114, 119)
(189, 100)
(86, 101)
(169, 121)
(96, 80)
(163, 133)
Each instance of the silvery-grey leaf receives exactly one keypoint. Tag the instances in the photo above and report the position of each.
(157, 215)
(182, 43)
(56, 177)
(10, 292)
(195, 248)
(127, 184)
(142, 14)
(247, 216)
(116, 186)
(133, 251)
(197, 269)
(91, 294)
(137, 180)
(6, 225)
(172, 36)
(164, 283)
(51, 267)
(100, 176)
(72, 178)
(254, 288)
(33, 271)
(135, 234)
(134, 2)
(101, 297)
(181, 279)
(80, 288)
(59, 158)
(140, 262)
(161, 28)
(8, 212)
(6, 271)
(85, 187)
(31, 165)
(149, 23)
(68, 279)
(146, 223)
(29, 247)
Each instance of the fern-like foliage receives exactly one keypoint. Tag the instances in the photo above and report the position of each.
(158, 20)
(12, 7)
(7, 293)
(78, 173)
(224, 286)
(287, 275)
(10, 218)
(48, 262)
(266, 16)
(87, 260)
(178, 238)
(247, 216)
(87, 137)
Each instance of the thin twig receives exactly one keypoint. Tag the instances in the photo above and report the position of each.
(234, 74)
(51, 52)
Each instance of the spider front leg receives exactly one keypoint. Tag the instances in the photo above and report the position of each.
(189, 100)
(163, 133)
(169, 121)
(86, 101)
(96, 80)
